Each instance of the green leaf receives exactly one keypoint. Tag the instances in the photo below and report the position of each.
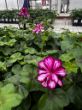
(35, 86)
(26, 70)
(66, 57)
(25, 80)
(30, 51)
(75, 95)
(32, 59)
(26, 104)
(7, 50)
(3, 66)
(71, 67)
(13, 79)
(44, 39)
(23, 90)
(12, 100)
(17, 69)
(9, 88)
(2, 43)
(77, 52)
(8, 97)
(66, 45)
(49, 52)
(15, 57)
(56, 101)
(11, 42)
(79, 63)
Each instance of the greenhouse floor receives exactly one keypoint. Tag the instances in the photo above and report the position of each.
(59, 25)
(62, 24)
(5, 24)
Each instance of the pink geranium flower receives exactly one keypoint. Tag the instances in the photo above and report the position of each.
(24, 12)
(50, 72)
(38, 28)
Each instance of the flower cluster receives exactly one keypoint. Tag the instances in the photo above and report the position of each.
(38, 28)
(24, 12)
(50, 72)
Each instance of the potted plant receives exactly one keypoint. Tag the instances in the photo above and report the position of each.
(76, 16)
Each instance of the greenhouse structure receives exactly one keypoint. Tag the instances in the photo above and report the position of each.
(55, 4)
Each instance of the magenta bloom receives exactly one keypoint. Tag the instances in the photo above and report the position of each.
(51, 72)
(24, 12)
(38, 28)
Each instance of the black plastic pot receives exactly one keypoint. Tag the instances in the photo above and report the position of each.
(77, 22)
(80, 22)
(2, 20)
(9, 20)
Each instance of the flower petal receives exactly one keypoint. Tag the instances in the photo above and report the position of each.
(54, 78)
(51, 84)
(49, 62)
(24, 12)
(57, 64)
(34, 30)
(60, 83)
(44, 84)
(40, 71)
(42, 77)
(42, 65)
(61, 72)
(37, 31)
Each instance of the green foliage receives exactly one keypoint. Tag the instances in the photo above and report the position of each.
(76, 14)
(8, 97)
(20, 52)
(8, 14)
(70, 44)
(53, 101)
(37, 15)
(2, 66)
(75, 90)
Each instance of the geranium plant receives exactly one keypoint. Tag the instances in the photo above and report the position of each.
(50, 72)
(24, 15)
(40, 71)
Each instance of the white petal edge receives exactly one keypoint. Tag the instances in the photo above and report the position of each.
(60, 83)
(61, 72)
(54, 78)
(51, 84)
(42, 77)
